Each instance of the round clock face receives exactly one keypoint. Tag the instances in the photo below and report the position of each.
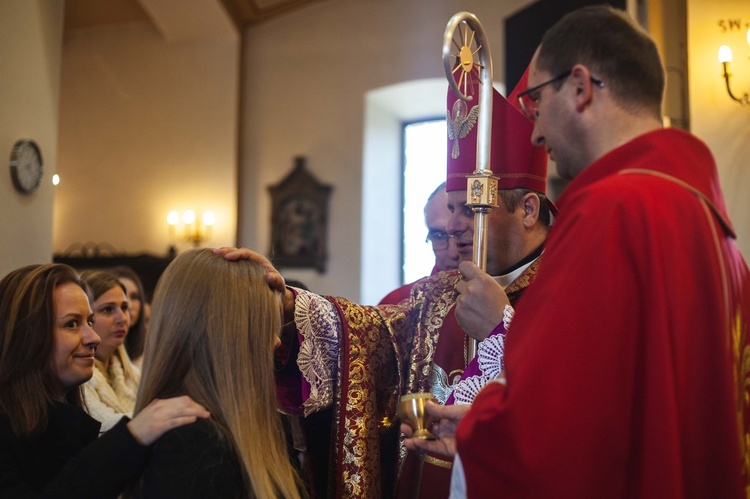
(26, 166)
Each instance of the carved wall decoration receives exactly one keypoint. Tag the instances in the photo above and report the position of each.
(299, 220)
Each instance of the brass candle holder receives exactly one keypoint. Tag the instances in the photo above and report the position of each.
(411, 410)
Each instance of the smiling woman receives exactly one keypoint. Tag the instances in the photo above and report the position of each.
(73, 359)
(46, 343)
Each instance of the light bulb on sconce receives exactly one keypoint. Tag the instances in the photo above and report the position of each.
(725, 55)
(173, 218)
(725, 58)
(190, 231)
(188, 218)
(208, 218)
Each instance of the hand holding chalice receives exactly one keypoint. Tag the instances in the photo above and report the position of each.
(411, 410)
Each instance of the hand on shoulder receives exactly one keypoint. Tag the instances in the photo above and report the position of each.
(162, 415)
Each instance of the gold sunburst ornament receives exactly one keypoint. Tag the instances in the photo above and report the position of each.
(466, 58)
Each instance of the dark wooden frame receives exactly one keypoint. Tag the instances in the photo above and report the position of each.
(299, 220)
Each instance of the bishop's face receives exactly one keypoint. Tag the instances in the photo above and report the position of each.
(504, 239)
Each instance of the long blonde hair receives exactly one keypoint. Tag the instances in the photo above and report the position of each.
(211, 337)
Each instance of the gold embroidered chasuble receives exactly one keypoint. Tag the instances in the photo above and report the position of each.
(360, 360)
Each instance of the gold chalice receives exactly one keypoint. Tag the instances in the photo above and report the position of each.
(412, 412)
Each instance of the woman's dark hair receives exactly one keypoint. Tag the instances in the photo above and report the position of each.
(99, 282)
(27, 343)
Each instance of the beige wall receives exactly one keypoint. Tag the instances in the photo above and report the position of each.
(30, 34)
(723, 124)
(307, 75)
(146, 126)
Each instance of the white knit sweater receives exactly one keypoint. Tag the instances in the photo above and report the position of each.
(111, 393)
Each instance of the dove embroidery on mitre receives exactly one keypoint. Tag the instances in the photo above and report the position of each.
(460, 123)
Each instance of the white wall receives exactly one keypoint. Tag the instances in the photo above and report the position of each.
(306, 77)
(30, 35)
(146, 126)
(722, 123)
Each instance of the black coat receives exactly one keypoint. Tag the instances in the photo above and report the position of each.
(67, 459)
(192, 461)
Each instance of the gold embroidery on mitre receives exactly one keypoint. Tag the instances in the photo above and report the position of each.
(460, 123)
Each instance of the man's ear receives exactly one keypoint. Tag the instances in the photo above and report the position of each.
(531, 206)
(584, 87)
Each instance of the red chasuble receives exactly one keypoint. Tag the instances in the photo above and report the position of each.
(631, 380)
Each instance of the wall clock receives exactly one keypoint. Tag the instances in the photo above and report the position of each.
(26, 166)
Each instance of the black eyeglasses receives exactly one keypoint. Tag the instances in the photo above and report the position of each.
(439, 239)
(529, 99)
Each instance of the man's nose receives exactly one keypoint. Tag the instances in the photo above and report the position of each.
(537, 139)
(452, 249)
(455, 226)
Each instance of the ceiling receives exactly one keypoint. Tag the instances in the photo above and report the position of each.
(242, 13)
(248, 12)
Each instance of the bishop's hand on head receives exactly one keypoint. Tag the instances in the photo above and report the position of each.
(273, 277)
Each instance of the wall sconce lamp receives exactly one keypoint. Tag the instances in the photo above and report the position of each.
(196, 232)
(725, 57)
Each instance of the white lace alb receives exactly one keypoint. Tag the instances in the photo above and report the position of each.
(490, 357)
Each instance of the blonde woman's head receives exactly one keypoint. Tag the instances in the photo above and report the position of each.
(213, 328)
